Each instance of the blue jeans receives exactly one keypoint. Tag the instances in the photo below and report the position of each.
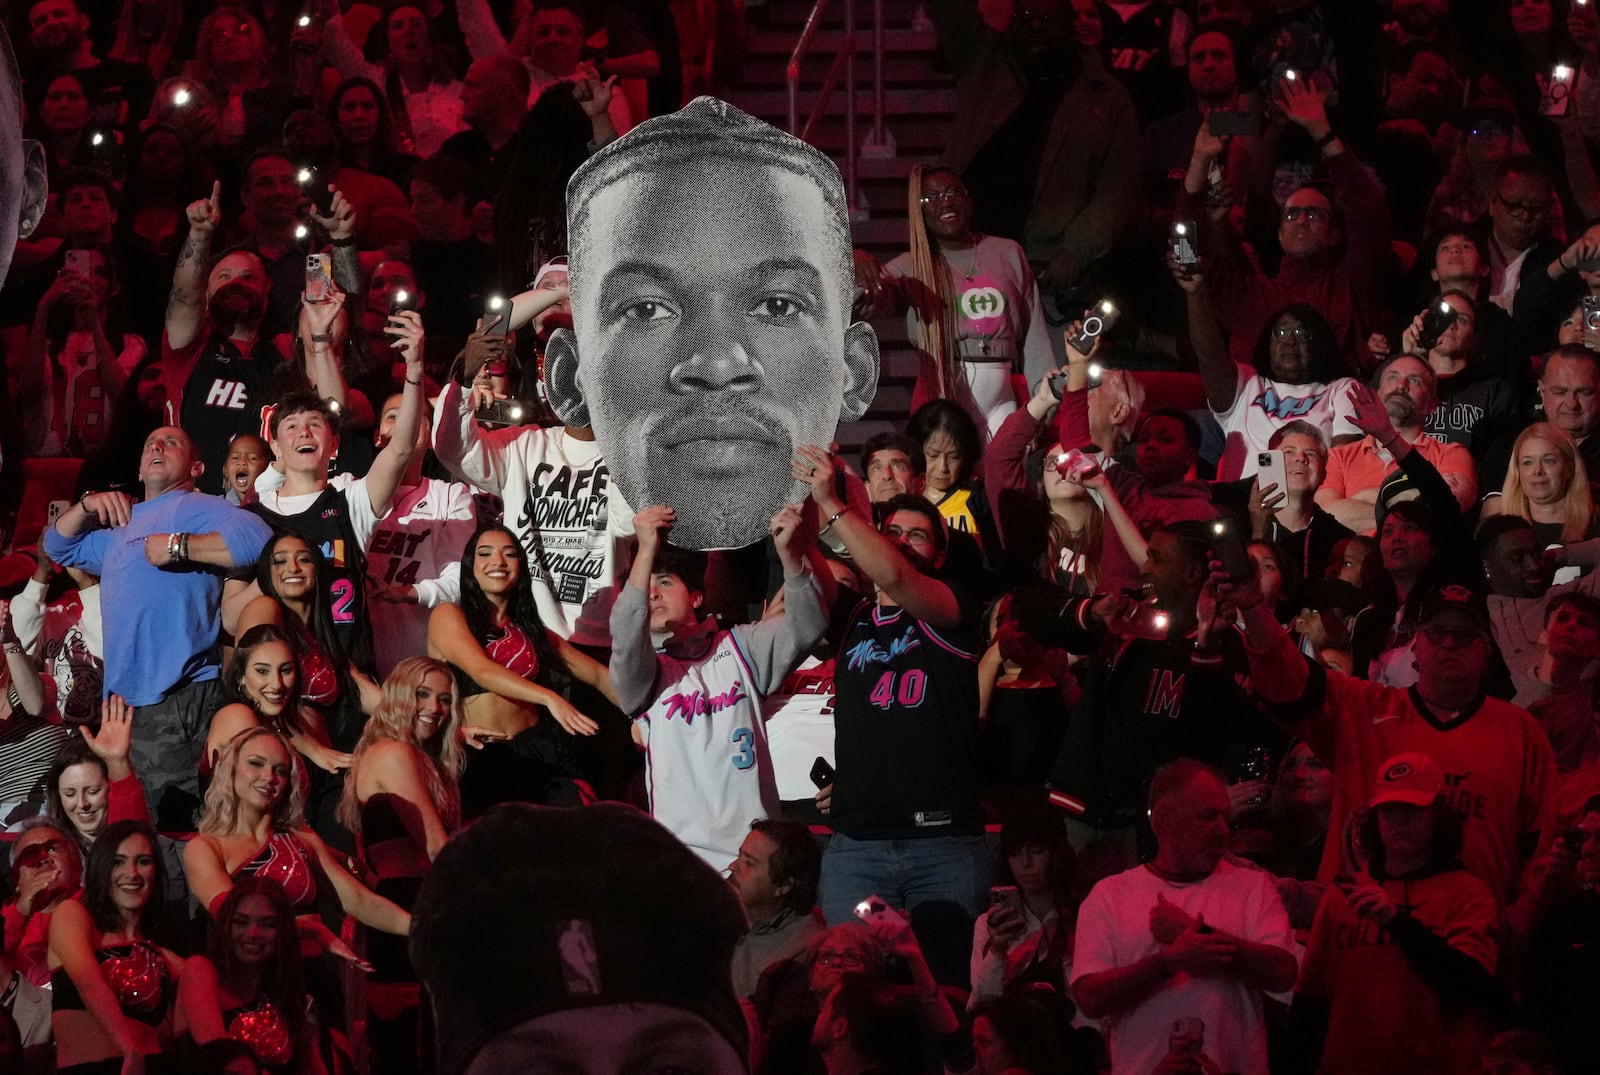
(905, 873)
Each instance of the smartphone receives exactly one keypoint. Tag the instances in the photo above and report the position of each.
(319, 277)
(1557, 96)
(1096, 320)
(1214, 180)
(496, 316)
(1183, 248)
(401, 301)
(1228, 545)
(507, 412)
(1009, 896)
(1589, 265)
(78, 263)
(822, 773)
(1269, 471)
(1591, 312)
(1255, 763)
(874, 909)
(315, 186)
(1436, 321)
(1230, 122)
(1074, 464)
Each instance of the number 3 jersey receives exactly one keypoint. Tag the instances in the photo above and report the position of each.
(698, 710)
(906, 725)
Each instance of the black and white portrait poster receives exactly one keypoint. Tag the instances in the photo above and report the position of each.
(711, 283)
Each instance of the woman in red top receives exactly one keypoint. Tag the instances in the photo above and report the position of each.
(511, 670)
(254, 826)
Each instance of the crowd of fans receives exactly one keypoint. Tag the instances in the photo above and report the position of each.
(1204, 680)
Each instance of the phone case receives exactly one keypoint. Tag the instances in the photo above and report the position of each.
(319, 278)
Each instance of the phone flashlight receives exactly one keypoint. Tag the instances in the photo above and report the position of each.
(301, 232)
(1563, 72)
(1290, 75)
(303, 21)
(181, 96)
(303, 176)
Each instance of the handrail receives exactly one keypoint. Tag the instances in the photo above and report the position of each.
(792, 72)
(844, 65)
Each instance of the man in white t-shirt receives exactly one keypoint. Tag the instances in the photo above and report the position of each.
(1187, 936)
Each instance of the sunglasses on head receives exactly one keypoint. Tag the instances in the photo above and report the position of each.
(34, 854)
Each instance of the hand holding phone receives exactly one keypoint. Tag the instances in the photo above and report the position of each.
(1184, 251)
(822, 774)
(315, 186)
(1096, 320)
(1436, 321)
(496, 316)
(1227, 543)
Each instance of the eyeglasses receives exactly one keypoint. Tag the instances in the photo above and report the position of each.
(1284, 332)
(1529, 209)
(34, 854)
(1311, 213)
(1459, 637)
(948, 194)
(915, 535)
(834, 957)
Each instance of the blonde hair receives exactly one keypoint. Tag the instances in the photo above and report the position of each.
(222, 801)
(1577, 509)
(934, 332)
(395, 720)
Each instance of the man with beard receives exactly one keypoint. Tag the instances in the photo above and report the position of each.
(213, 354)
(712, 281)
(119, 93)
(906, 816)
(1046, 140)
(1187, 938)
(1357, 469)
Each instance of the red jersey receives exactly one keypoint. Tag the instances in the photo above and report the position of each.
(1499, 770)
(1384, 1018)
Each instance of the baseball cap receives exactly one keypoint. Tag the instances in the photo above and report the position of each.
(532, 910)
(1412, 778)
(1455, 602)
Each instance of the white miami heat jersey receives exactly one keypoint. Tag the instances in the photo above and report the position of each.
(707, 766)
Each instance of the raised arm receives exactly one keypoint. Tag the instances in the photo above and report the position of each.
(186, 305)
(1218, 371)
(924, 597)
(633, 659)
(384, 476)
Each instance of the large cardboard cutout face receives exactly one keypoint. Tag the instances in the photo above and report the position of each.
(711, 289)
(22, 164)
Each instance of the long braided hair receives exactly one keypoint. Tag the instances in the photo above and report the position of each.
(929, 299)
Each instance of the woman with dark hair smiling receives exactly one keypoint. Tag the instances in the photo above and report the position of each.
(1297, 372)
(249, 985)
(113, 986)
(510, 667)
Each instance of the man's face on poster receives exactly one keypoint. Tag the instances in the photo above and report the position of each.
(711, 308)
(22, 167)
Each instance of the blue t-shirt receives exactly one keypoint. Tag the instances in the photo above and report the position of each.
(161, 624)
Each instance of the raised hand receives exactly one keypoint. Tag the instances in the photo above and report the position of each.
(651, 526)
(205, 215)
(404, 329)
(1369, 414)
(815, 467)
(115, 737)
